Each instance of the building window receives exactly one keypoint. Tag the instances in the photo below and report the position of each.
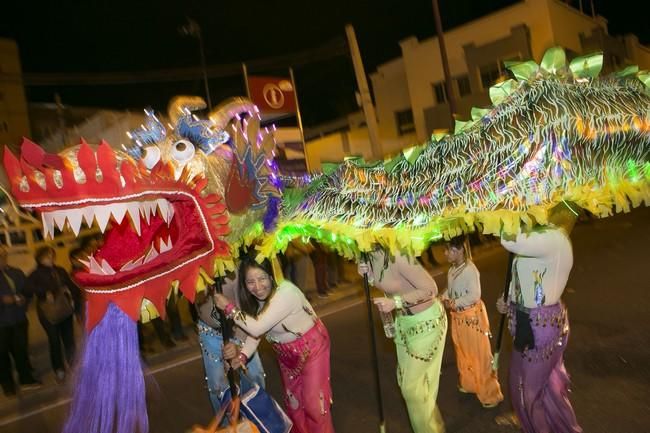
(489, 74)
(405, 123)
(492, 72)
(464, 87)
(440, 92)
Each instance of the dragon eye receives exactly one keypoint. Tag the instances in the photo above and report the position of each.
(182, 151)
(151, 156)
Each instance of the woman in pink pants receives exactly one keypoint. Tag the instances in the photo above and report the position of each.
(298, 336)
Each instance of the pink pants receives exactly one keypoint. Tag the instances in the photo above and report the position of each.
(305, 367)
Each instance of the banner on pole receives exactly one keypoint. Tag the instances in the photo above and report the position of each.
(274, 96)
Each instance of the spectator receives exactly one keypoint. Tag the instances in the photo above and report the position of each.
(161, 331)
(76, 257)
(175, 317)
(319, 258)
(303, 266)
(58, 300)
(13, 328)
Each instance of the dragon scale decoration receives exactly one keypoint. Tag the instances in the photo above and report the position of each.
(556, 133)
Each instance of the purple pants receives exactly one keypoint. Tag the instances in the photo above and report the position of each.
(538, 380)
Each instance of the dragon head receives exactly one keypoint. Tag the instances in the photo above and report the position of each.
(171, 206)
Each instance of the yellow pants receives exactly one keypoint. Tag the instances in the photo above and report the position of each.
(470, 332)
(419, 342)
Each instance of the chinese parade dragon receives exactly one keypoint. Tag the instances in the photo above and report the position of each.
(176, 204)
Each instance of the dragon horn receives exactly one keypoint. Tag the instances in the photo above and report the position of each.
(179, 104)
(228, 109)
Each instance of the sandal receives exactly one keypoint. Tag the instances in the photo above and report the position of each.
(509, 419)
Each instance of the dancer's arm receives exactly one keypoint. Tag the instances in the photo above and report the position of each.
(535, 244)
(278, 307)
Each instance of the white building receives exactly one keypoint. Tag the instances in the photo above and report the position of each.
(409, 91)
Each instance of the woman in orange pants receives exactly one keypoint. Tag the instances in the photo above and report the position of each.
(470, 328)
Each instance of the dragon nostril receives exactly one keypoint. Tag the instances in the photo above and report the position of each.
(180, 146)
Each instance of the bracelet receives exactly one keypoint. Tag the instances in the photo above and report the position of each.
(399, 303)
(229, 310)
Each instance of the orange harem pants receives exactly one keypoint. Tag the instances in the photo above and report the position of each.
(470, 332)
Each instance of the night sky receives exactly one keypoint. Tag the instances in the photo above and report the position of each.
(93, 36)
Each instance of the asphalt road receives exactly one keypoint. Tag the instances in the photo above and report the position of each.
(608, 357)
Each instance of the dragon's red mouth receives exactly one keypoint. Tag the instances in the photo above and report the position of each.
(159, 226)
(144, 238)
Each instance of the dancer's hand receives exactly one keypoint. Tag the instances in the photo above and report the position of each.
(502, 306)
(230, 351)
(449, 304)
(20, 300)
(385, 305)
(364, 268)
(221, 301)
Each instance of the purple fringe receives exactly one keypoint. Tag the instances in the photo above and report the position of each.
(271, 215)
(109, 392)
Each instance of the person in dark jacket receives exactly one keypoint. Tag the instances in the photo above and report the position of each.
(13, 328)
(47, 282)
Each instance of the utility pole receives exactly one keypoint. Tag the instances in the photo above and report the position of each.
(299, 119)
(366, 100)
(192, 28)
(445, 62)
(61, 116)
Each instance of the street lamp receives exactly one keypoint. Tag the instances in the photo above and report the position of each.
(192, 28)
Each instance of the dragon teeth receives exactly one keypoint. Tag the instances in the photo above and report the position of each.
(88, 215)
(118, 211)
(95, 268)
(59, 219)
(74, 221)
(48, 225)
(131, 264)
(107, 268)
(102, 215)
(165, 246)
(151, 254)
(133, 209)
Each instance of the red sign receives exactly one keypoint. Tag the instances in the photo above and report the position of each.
(273, 95)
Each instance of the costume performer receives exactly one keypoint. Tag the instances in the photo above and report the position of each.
(420, 330)
(470, 327)
(299, 338)
(211, 341)
(539, 324)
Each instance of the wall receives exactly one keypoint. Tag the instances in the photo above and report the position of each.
(568, 23)
(391, 94)
(528, 29)
(637, 53)
(14, 122)
(337, 146)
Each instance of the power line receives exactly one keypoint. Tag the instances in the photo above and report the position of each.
(333, 49)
